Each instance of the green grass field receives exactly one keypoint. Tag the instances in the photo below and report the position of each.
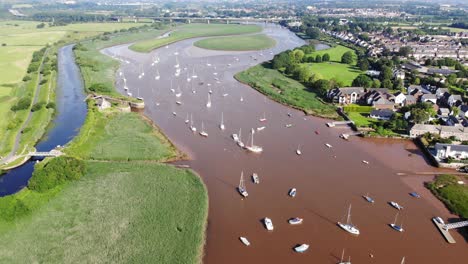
(117, 213)
(335, 53)
(454, 195)
(286, 90)
(360, 119)
(237, 43)
(193, 31)
(343, 73)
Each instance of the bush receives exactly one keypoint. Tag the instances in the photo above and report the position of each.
(37, 106)
(56, 172)
(347, 57)
(22, 104)
(100, 88)
(26, 78)
(51, 105)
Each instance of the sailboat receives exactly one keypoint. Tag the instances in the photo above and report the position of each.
(368, 198)
(187, 120)
(203, 132)
(342, 261)
(298, 151)
(208, 104)
(179, 92)
(177, 65)
(207, 63)
(349, 227)
(301, 248)
(239, 139)
(241, 188)
(403, 260)
(157, 77)
(252, 147)
(222, 122)
(194, 75)
(395, 226)
(194, 129)
(245, 241)
(172, 89)
(242, 99)
(263, 119)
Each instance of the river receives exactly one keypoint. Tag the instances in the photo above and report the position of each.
(328, 180)
(71, 113)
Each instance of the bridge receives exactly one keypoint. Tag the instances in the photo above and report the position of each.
(455, 225)
(339, 123)
(52, 153)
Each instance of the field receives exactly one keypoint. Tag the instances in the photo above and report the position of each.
(237, 43)
(193, 31)
(454, 195)
(286, 90)
(335, 53)
(343, 73)
(118, 213)
(360, 119)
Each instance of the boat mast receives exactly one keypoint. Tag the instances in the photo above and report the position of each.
(348, 220)
(222, 118)
(252, 142)
(240, 130)
(342, 256)
(241, 183)
(396, 217)
(403, 260)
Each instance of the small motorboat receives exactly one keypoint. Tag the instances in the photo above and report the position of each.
(268, 224)
(244, 241)
(292, 192)
(140, 98)
(255, 178)
(295, 221)
(397, 227)
(235, 137)
(365, 162)
(344, 136)
(129, 94)
(328, 145)
(260, 128)
(301, 248)
(298, 152)
(316, 132)
(174, 113)
(288, 125)
(178, 102)
(368, 198)
(415, 194)
(224, 95)
(396, 205)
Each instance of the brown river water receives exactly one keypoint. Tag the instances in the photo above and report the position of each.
(328, 180)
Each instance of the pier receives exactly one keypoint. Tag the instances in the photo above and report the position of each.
(444, 229)
(340, 123)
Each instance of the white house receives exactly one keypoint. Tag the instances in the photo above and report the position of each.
(444, 151)
(400, 98)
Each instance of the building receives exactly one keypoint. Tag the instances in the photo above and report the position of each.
(384, 114)
(459, 132)
(444, 151)
(347, 95)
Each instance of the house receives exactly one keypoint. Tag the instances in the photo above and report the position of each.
(441, 92)
(463, 110)
(400, 98)
(399, 74)
(410, 99)
(102, 103)
(458, 132)
(347, 95)
(444, 112)
(384, 114)
(454, 100)
(429, 98)
(444, 151)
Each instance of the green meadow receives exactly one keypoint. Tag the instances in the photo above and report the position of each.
(237, 43)
(343, 73)
(192, 31)
(335, 53)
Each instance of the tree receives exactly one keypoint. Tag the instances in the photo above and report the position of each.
(326, 57)
(363, 64)
(318, 58)
(308, 49)
(281, 60)
(362, 81)
(313, 32)
(298, 55)
(419, 115)
(405, 51)
(347, 57)
(304, 74)
(321, 86)
(452, 79)
(387, 84)
(376, 83)
(386, 73)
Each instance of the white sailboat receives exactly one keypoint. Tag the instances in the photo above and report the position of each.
(194, 75)
(242, 188)
(208, 104)
(263, 119)
(179, 92)
(245, 241)
(298, 151)
(301, 248)
(368, 198)
(268, 223)
(242, 99)
(203, 132)
(252, 147)
(157, 77)
(187, 120)
(177, 65)
(172, 89)
(396, 227)
(255, 178)
(349, 227)
(221, 126)
(239, 139)
(342, 261)
(192, 127)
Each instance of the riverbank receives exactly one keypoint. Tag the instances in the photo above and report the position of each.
(237, 43)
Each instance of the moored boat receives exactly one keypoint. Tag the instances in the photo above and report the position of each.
(292, 192)
(396, 205)
(295, 221)
(268, 224)
(242, 188)
(368, 198)
(255, 178)
(348, 226)
(301, 248)
(245, 241)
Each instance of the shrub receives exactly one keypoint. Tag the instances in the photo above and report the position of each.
(26, 78)
(22, 104)
(51, 105)
(347, 57)
(56, 172)
(37, 106)
(100, 87)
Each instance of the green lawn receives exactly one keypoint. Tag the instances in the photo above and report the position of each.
(117, 213)
(343, 73)
(454, 195)
(237, 43)
(193, 31)
(335, 53)
(121, 137)
(360, 120)
(286, 90)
